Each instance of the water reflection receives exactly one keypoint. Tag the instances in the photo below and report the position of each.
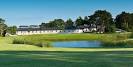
(77, 44)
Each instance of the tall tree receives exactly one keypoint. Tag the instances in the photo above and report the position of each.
(59, 23)
(103, 20)
(123, 21)
(3, 27)
(86, 20)
(131, 23)
(12, 30)
(42, 26)
(79, 21)
(69, 24)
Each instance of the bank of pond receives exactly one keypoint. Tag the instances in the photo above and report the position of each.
(82, 44)
(76, 40)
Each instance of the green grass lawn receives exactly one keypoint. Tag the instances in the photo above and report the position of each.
(22, 55)
(67, 58)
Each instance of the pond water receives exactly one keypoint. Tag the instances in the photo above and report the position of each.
(77, 44)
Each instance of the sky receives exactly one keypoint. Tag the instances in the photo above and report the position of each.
(34, 12)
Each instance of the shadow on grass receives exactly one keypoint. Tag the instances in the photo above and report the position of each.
(66, 59)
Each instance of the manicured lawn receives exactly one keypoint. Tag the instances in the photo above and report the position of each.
(64, 58)
(33, 56)
(23, 55)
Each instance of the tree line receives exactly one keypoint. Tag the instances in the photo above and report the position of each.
(102, 19)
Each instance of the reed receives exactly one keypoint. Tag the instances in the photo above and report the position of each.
(45, 40)
(31, 41)
(118, 44)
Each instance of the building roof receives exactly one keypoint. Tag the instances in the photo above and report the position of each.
(39, 29)
(86, 26)
(28, 29)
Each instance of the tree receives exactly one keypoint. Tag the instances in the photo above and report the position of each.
(59, 24)
(4, 33)
(69, 24)
(123, 21)
(131, 23)
(12, 30)
(79, 21)
(86, 20)
(55, 24)
(42, 26)
(3, 27)
(103, 20)
(92, 20)
(110, 27)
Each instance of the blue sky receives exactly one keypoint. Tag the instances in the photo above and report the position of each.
(26, 12)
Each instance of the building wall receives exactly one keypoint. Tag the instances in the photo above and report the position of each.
(49, 32)
(89, 30)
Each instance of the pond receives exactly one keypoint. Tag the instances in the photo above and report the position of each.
(78, 44)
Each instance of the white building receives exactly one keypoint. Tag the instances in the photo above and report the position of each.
(31, 32)
(34, 29)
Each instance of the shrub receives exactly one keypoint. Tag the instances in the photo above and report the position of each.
(131, 36)
(17, 41)
(122, 37)
(31, 42)
(122, 44)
